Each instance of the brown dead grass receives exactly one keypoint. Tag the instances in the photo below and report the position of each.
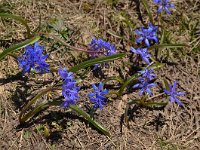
(171, 128)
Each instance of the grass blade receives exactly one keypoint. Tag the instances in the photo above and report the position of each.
(126, 83)
(147, 7)
(17, 18)
(22, 117)
(18, 46)
(155, 105)
(166, 84)
(95, 61)
(89, 119)
(168, 46)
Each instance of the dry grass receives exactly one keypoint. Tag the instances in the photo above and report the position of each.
(171, 128)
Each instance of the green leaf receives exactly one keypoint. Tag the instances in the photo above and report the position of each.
(96, 61)
(119, 79)
(17, 18)
(155, 104)
(114, 34)
(18, 46)
(24, 117)
(147, 7)
(162, 37)
(40, 107)
(156, 66)
(89, 119)
(127, 82)
(31, 113)
(168, 46)
(166, 84)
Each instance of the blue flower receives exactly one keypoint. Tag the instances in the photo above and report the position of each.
(145, 86)
(146, 76)
(173, 94)
(165, 5)
(69, 89)
(147, 34)
(97, 97)
(101, 46)
(65, 75)
(143, 53)
(33, 59)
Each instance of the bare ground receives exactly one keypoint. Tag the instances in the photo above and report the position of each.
(170, 128)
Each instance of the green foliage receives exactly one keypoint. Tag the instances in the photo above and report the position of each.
(6, 7)
(25, 116)
(113, 2)
(147, 7)
(18, 47)
(166, 145)
(90, 120)
(19, 19)
(189, 25)
(166, 84)
(100, 60)
(27, 135)
(134, 77)
(58, 26)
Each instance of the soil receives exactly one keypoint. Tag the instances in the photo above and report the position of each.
(170, 128)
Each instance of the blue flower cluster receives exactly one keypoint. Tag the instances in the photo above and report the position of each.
(145, 36)
(101, 46)
(69, 88)
(146, 76)
(33, 59)
(143, 53)
(97, 97)
(70, 91)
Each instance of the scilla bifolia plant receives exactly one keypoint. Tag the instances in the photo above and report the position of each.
(100, 52)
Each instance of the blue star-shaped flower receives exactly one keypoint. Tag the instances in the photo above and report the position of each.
(147, 34)
(33, 59)
(165, 5)
(69, 89)
(143, 53)
(65, 75)
(97, 97)
(145, 86)
(173, 94)
(148, 74)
